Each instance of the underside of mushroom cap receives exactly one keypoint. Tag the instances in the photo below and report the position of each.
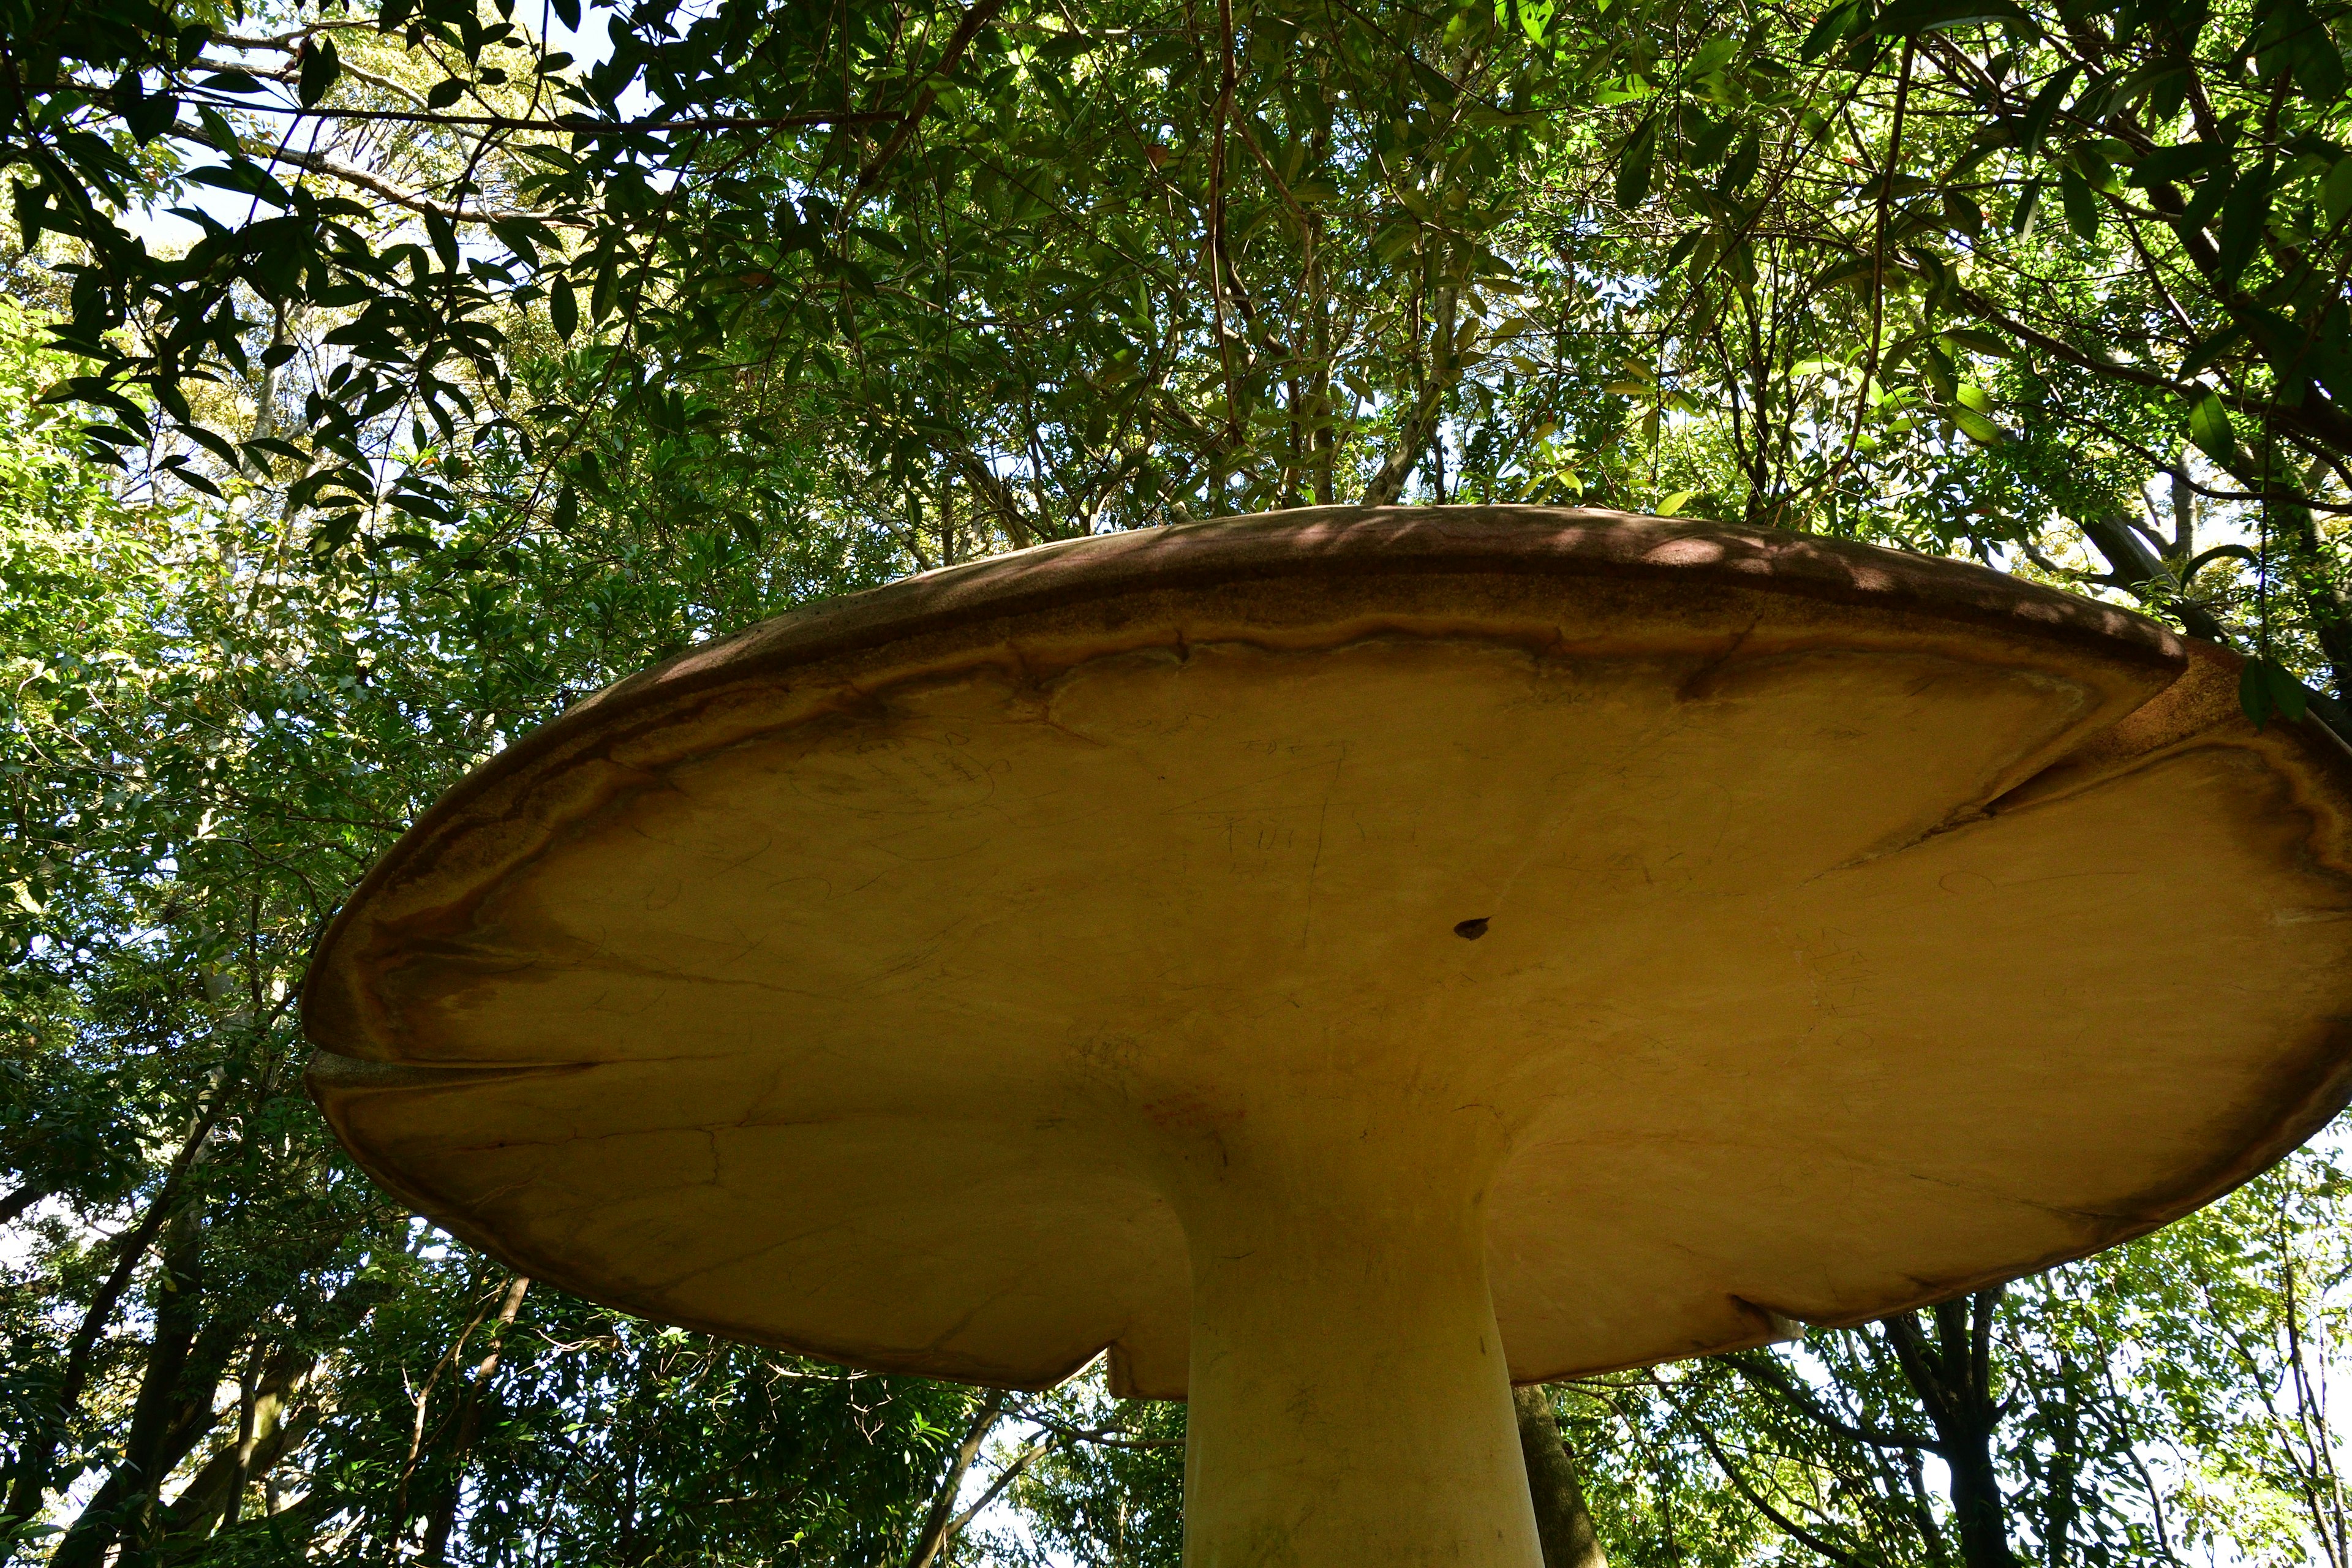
(1852, 929)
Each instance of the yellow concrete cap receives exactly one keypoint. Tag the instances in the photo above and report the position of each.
(1744, 926)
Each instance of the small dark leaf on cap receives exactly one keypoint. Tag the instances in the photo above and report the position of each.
(1471, 931)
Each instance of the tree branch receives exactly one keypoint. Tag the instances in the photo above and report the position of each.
(941, 1521)
(1787, 1526)
(982, 13)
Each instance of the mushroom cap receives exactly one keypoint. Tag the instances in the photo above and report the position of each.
(1859, 929)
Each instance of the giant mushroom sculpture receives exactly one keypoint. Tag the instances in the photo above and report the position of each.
(1344, 962)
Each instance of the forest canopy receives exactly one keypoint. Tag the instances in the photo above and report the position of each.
(381, 381)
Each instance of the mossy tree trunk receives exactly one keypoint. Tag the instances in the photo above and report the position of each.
(1562, 1521)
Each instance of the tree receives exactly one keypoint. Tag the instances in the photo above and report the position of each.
(202, 749)
(2158, 1401)
(1973, 266)
(1047, 273)
(1013, 272)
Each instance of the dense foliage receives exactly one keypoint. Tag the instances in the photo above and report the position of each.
(479, 369)
(2048, 283)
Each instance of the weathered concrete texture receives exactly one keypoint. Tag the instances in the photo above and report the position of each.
(1060, 954)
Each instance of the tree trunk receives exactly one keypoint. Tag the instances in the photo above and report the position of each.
(268, 1436)
(217, 1492)
(2313, 575)
(996, 496)
(1562, 1522)
(1952, 1375)
(215, 1497)
(28, 1478)
(23, 1198)
(2130, 559)
(103, 1518)
(1978, 1509)
(125, 1506)
(1421, 424)
(119, 1510)
(934, 1532)
(445, 1514)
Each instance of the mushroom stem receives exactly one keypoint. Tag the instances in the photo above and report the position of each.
(1349, 1401)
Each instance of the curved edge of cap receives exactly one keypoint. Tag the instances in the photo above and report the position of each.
(1369, 540)
(1329, 540)
(331, 1077)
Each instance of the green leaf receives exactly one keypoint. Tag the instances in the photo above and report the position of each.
(1962, 215)
(2254, 692)
(1908, 18)
(2158, 80)
(2283, 341)
(335, 530)
(1705, 149)
(147, 115)
(2245, 213)
(1975, 426)
(443, 235)
(218, 130)
(1711, 56)
(2169, 166)
(2287, 692)
(320, 67)
(245, 179)
(216, 445)
(1836, 23)
(192, 479)
(2211, 193)
(2044, 109)
(1633, 163)
(2265, 691)
(2335, 191)
(2331, 347)
(1743, 165)
(445, 92)
(2082, 205)
(606, 292)
(1435, 88)
(2027, 200)
(1855, 269)
(563, 307)
(1535, 16)
(1394, 242)
(1976, 342)
(1937, 365)
(1675, 502)
(2318, 68)
(2210, 427)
